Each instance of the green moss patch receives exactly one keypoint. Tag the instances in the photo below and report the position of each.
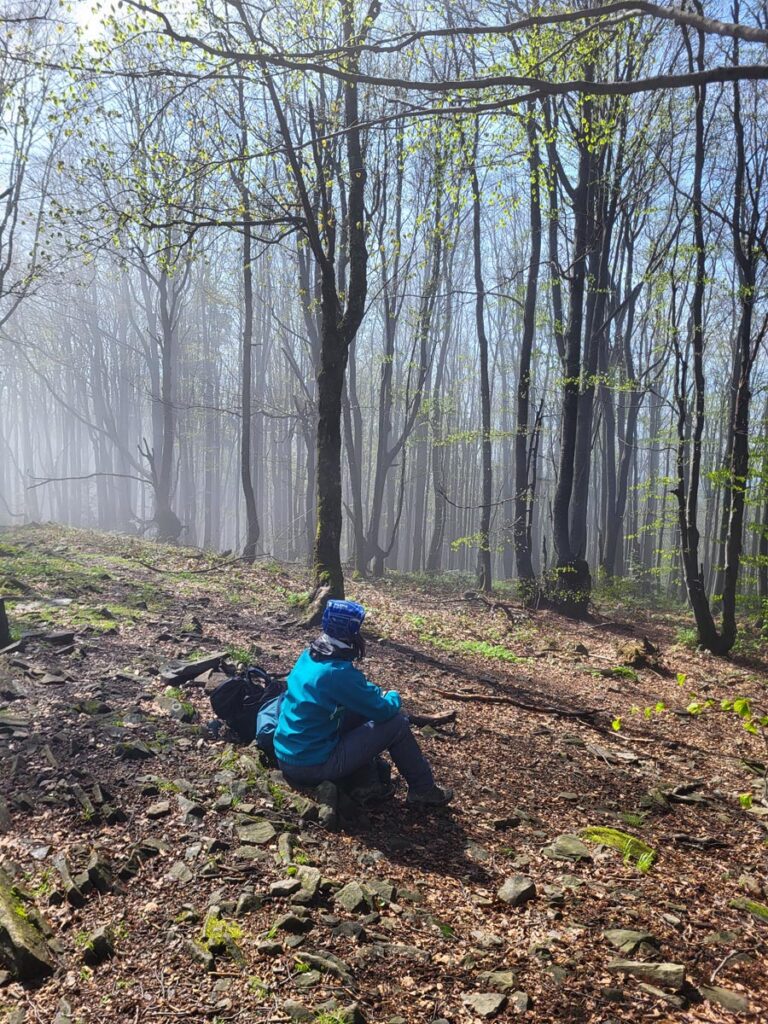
(758, 910)
(633, 850)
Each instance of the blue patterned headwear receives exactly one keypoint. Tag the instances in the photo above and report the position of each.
(342, 620)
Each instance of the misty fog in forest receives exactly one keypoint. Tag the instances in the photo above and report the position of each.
(392, 289)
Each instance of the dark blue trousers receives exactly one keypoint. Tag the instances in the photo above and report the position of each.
(359, 743)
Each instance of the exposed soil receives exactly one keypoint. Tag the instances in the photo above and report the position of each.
(596, 744)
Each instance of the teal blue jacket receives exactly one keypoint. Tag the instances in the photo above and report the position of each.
(318, 693)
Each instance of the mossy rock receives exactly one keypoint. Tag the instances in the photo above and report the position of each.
(758, 910)
(221, 937)
(25, 947)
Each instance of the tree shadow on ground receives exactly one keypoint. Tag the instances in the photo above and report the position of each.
(422, 840)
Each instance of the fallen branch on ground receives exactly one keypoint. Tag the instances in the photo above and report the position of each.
(585, 715)
(191, 572)
(488, 698)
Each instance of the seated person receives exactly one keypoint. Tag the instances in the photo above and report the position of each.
(317, 739)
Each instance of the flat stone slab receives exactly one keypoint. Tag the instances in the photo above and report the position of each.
(628, 940)
(736, 1002)
(175, 674)
(484, 1004)
(256, 834)
(133, 750)
(665, 975)
(499, 981)
(567, 847)
(159, 809)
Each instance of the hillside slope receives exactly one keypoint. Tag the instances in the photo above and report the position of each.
(223, 904)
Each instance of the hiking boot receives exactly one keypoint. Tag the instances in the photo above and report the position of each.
(437, 796)
(376, 793)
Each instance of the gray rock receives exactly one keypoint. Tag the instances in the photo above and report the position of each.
(352, 898)
(310, 880)
(571, 881)
(297, 1011)
(410, 896)
(72, 893)
(286, 844)
(284, 887)
(567, 847)
(133, 750)
(99, 946)
(519, 1002)
(308, 979)
(200, 954)
(679, 1002)
(735, 1002)
(256, 834)
(499, 981)
(349, 930)
(628, 940)
(269, 948)
(723, 938)
(25, 948)
(327, 793)
(517, 890)
(666, 975)
(304, 807)
(293, 924)
(63, 1013)
(247, 902)
(249, 853)
(477, 852)
(484, 1004)
(381, 888)
(179, 872)
(351, 1014)
(556, 973)
(159, 809)
(190, 808)
(327, 963)
(555, 896)
(486, 939)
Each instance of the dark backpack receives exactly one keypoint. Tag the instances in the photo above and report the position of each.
(237, 700)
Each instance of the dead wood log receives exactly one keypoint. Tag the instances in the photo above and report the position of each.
(586, 715)
(544, 709)
(513, 614)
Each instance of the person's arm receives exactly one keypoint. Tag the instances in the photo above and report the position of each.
(352, 690)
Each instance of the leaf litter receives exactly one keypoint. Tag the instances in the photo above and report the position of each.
(430, 932)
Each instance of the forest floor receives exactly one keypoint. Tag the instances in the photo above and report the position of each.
(673, 927)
